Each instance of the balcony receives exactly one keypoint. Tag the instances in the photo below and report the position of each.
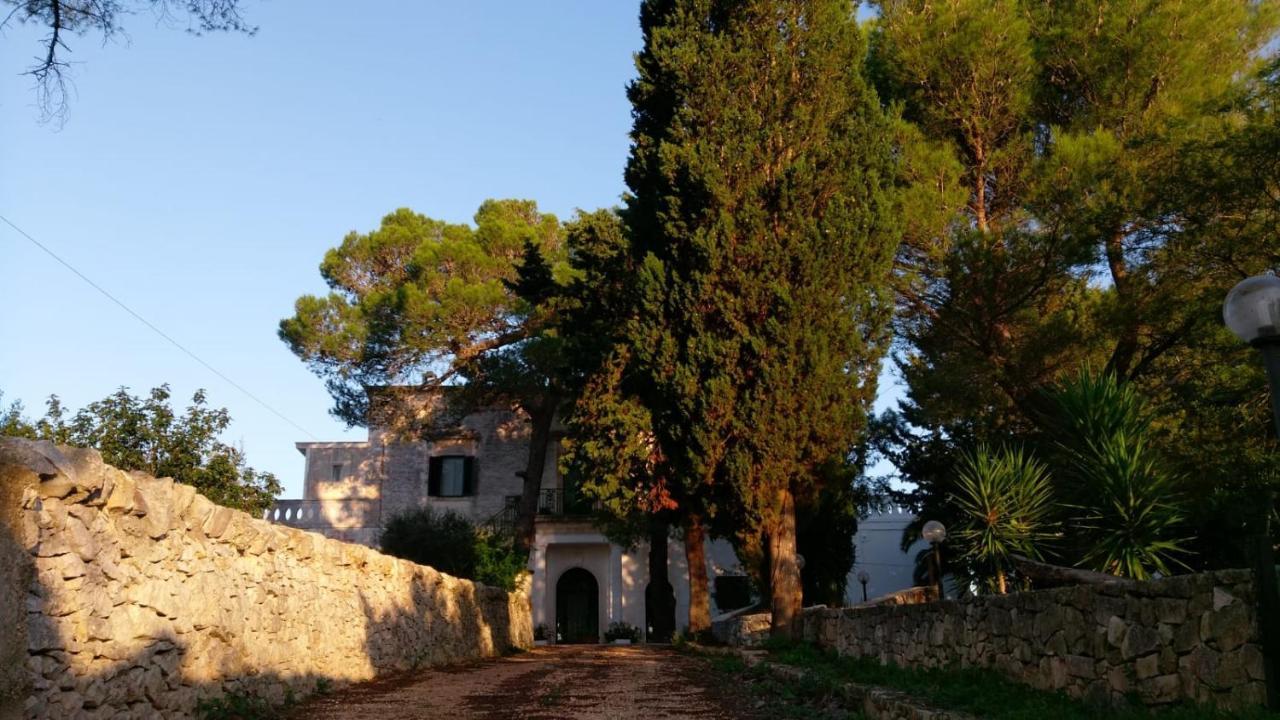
(558, 502)
(326, 514)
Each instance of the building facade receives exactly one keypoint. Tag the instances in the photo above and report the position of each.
(422, 455)
(472, 465)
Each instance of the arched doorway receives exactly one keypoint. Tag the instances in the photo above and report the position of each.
(577, 607)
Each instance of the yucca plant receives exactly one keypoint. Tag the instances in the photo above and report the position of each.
(1006, 500)
(1128, 503)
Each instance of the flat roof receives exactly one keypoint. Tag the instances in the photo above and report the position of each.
(303, 447)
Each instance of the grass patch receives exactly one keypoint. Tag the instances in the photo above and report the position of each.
(766, 695)
(981, 692)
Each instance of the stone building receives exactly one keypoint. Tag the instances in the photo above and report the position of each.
(422, 456)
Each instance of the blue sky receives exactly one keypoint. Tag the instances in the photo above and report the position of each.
(201, 179)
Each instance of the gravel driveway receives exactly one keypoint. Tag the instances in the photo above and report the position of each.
(567, 682)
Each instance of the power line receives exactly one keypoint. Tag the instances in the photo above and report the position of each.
(155, 329)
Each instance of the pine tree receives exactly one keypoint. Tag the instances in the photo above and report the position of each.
(761, 219)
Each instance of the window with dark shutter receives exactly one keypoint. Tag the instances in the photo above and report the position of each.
(451, 476)
(470, 475)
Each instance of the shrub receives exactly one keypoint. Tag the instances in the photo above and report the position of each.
(235, 706)
(446, 542)
(622, 631)
(497, 562)
(1131, 507)
(1005, 498)
(451, 544)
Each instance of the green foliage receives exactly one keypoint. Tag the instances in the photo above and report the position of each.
(1005, 500)
(236, 706)
(418, 299)
(498, 564)
(981, 692)
(762, 227)
(148, 434)
(12, 422)
(1117, 162)
(451, 544)
(622, 631)
(1133, 507)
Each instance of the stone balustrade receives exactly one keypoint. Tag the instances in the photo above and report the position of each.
(320, 514)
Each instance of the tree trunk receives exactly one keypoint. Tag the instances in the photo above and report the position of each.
(1126, 348)
(1058, 575)
(1001, 583)
(696, 558)
(541, 416)
(784, 571)
(659, 595)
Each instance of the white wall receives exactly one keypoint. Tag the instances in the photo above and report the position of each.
(878, 552)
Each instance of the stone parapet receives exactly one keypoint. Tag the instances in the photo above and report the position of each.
(141, 597)
(1187, 638)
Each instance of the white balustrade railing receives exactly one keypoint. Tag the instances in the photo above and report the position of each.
(318, 514)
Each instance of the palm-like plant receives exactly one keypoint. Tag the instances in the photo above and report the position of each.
(1006, 499)
(1129, 503)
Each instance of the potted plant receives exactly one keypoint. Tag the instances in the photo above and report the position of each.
(620, 633)
(540, 635)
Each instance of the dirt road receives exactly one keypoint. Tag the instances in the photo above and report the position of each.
(568, 682)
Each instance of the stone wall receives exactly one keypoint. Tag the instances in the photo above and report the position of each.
(1186, 638)
(142, 597)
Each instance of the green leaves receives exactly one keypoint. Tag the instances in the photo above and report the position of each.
(146, 433)
(419, 299)
(1005, 499)
(763, 235)
(1132, 507)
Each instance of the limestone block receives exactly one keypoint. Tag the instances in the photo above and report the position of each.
(1162, 689)
(123, 493)
(1139, 640)
(79, 540)
(1231, 626)
(156, 495)
(198, 511)
(41, 457)
(1117, 630)
(218, 521)
(1147, 666)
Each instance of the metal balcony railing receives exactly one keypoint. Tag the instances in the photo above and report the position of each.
(555, 501)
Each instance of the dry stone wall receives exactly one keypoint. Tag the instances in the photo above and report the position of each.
(141, 597)
(1188, 638)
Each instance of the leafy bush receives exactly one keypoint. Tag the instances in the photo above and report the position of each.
(235, 706)
(622, 631)
(1130, 503)
(498, 564)
(451, 544)
(1006, 499)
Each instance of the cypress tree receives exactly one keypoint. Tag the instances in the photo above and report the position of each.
(759, 215)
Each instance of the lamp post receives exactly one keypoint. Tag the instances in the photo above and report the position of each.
(864, 577)
(1252, 312)
(935, 533)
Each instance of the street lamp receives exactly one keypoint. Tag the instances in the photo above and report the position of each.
(1252, 312)
(935, 533)
(864, 577)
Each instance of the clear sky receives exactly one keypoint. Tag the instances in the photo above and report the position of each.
(201, 179)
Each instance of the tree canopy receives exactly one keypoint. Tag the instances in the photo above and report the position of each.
(148, 434)
(428, 303)
(1091, 185)
(760, 215)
